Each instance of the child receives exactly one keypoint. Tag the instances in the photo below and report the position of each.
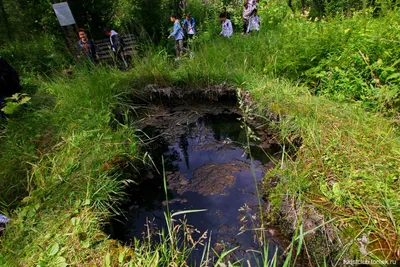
(246, 16)
(254, 21)
(252, 4)
(178, 35)
(114, 40)
(189, 25)
(116, 46)
(227, 29)
(85, 47)
(223, 11)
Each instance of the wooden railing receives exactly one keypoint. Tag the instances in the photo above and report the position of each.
(104, 51)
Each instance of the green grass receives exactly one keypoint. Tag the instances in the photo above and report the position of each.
(67, 177)
(62, 157)
(348, 163)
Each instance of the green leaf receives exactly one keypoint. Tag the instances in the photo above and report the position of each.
(15, 96)
(10, 108)
(31, 212)
(60, 262)
(224, 254)
(396, 62)
(77, 203)
(85, 244)
(74, 221)
(299, 245)
(25, 100)
(53, 250)
(154, 261)
(336, 190)
(121, 257)
(393, 76)
(37, 206)
(108, 259)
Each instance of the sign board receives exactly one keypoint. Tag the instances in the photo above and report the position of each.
(64, 14)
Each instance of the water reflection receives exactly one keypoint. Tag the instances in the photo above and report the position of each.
(206, 168)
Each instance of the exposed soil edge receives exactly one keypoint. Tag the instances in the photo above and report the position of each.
(323, 241)
(154, 93)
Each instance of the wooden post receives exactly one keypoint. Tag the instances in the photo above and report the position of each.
(76, 24)
(65, 33)
(68, 33)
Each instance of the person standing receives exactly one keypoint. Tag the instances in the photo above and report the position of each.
(252, 4)
(227, 29)
(246, 16)
(227, 15)
(3, 221)
(190, 26)
(85, 47)
(254, 21)
(114, 40)
(116, 46)
(178, 36)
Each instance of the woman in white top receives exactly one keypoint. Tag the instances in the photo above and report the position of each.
(254, 21)
(252, 4)
(227, 29)
(246, 16)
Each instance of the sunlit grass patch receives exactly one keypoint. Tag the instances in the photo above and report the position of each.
(58, 154)
(347, 165)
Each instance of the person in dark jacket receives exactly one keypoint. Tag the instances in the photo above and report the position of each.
(225, 13)
(9, 81)
(116, 46)
(114, 40)
(85, 47)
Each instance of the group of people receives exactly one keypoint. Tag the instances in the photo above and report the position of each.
(251, 23)
(251, 20)
(86, 47)
(189, 26)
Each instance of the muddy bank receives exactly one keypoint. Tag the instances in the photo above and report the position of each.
(209, 163)
(156, 95)
(207, 160)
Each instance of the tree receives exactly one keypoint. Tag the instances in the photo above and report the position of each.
(5, 20)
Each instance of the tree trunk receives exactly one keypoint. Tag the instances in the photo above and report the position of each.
(5, 19)
(303, 6)
(290, 4)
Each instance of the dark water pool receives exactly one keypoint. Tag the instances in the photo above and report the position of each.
(208, 168)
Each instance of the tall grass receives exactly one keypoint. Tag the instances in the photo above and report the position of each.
(68, 157)
(322, 79)
(345, 59)
(348, 155)
(42, 53)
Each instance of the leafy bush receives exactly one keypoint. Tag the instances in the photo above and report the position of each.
(14, 102)
(39, 54)
(347, 59)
